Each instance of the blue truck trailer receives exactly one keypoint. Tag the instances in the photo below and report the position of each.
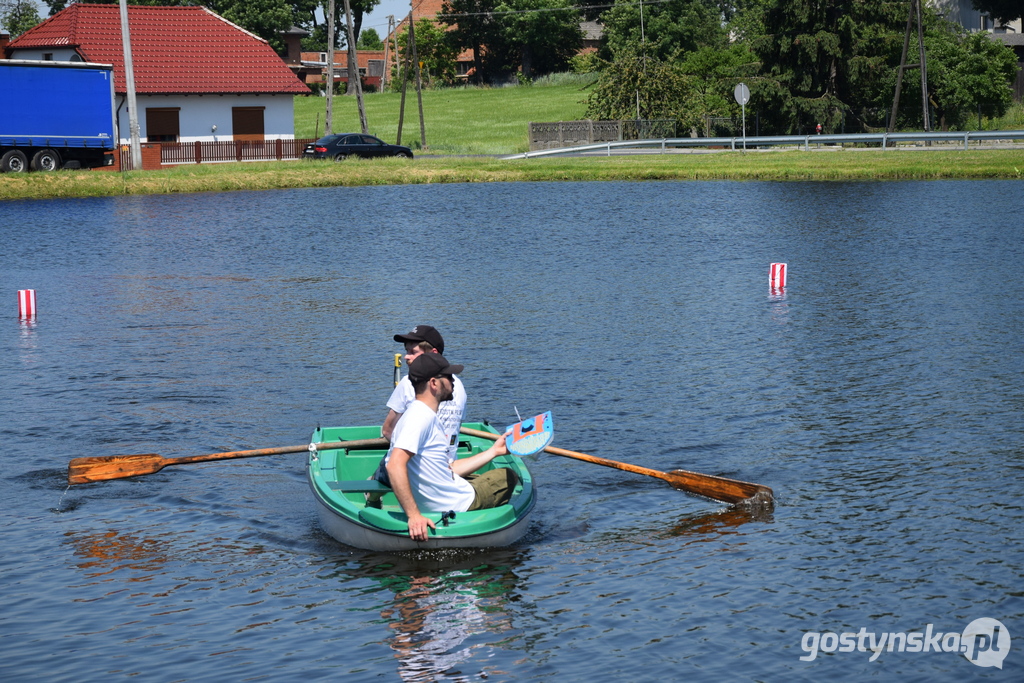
(56, 115)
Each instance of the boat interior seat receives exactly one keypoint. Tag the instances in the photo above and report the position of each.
(359, 486)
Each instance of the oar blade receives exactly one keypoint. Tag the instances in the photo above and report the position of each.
(85, 470)
(722, 489)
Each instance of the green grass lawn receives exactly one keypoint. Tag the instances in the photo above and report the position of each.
(919, 164)
(466, 120)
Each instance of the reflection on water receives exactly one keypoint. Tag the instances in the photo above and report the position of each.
(107, 552)
(721, 523)
(716, 526)
(449, 611)
(433, 616)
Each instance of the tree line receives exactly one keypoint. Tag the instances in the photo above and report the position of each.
(806, 62)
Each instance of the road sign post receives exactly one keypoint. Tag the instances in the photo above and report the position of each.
(742, 95)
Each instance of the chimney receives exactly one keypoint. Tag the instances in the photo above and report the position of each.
(293, 45)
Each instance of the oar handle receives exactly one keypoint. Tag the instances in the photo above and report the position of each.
(554, 450)
(255, 453)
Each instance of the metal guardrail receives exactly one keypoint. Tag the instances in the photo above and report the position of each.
(805, 141)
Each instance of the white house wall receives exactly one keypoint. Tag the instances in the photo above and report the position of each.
(198, 114)
(58, 54)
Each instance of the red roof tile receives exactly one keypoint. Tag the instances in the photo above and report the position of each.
(175, 50)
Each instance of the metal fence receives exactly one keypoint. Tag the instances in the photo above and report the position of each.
(559, 134)
(200, 152)
(882, 140)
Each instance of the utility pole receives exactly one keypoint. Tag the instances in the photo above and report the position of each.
(404, 75)
(419, 82)
(387, 60)
(129, 79)
(915, 10)
(353, 69)
(643, 45)
(328, 119)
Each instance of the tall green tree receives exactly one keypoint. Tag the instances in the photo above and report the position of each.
(474, 27)
(266, 18)
(638, 87)
(710, 75)
(533, 37)
(18, 16)
(966, 71)
(665, 31)
(541, 35)
(435, 52)
(835, 62)
(826, 61)
(369, 40)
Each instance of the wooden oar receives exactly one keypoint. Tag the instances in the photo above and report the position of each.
(717, 488)
(84, 470)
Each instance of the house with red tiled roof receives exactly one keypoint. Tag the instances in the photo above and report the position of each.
(198, 77)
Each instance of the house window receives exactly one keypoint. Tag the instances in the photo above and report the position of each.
(47, 56)
(162, 124)
(247, 123)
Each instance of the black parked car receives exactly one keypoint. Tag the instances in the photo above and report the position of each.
(343, 145)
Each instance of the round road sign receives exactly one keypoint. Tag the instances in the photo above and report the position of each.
(741, 93)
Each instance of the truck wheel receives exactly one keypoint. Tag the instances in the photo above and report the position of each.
(13, 162)
(46, 160)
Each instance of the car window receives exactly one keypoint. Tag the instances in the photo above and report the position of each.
(370, 140)
(327, 139)
(350, 140)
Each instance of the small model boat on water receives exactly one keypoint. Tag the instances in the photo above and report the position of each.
(340, 480)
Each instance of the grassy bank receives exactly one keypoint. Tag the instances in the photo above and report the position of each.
(458, 120)
(772, 165)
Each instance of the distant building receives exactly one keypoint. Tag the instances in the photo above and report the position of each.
(962, 12)
(198, 77)
(369, 62)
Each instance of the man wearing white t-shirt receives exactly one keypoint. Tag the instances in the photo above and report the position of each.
(424, 339)
(421, 465)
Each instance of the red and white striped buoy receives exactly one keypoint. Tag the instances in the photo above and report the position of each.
(777, 276)
(26, 303)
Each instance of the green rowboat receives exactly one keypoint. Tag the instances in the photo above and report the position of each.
(339, 479)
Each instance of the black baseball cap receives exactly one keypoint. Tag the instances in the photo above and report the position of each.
(423, 333)
(428, 365)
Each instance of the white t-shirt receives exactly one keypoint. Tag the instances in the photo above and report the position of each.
(435, 487)
(449, 413)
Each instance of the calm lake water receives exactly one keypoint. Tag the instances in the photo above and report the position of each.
(880, 396)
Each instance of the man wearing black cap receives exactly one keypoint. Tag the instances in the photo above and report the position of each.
(424, 339)
(421, 465)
